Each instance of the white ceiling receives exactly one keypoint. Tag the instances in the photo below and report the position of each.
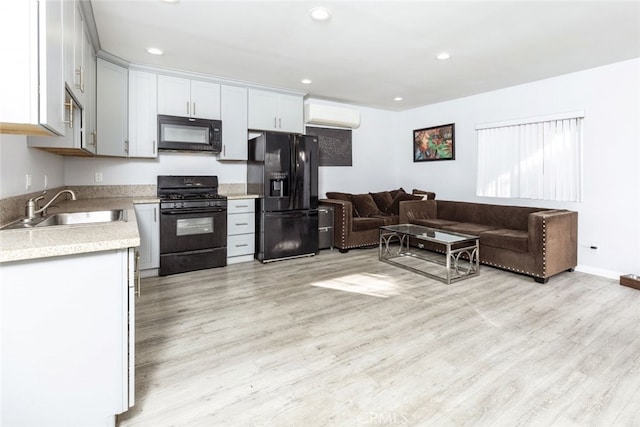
(372, 51)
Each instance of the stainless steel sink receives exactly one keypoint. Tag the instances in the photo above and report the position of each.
(71, 218)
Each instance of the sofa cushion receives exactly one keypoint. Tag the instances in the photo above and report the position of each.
(426, 195)
(364, 205)
(388, 219)
(395, 206)
(469, 228)
(513, 240)
(432, 223)
(498, 216)
(383, 200)
(360, 224)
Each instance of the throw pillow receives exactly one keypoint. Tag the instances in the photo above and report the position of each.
(343, 196)
(383, 200)
(395, 206)
(426, 195)
(394, 193)
(365, 205)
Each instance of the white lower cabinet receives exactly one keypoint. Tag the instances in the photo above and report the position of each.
(67, 339)
(148, 217)
(241, 230)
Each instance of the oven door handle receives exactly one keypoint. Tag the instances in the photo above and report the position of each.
(192, 211)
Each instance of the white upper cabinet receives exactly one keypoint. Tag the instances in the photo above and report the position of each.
(275, 111)
(76, 45)
(205, 98)
(31, 41)
(143, 113)
(188, 98)
(234, 123)
(111, 95)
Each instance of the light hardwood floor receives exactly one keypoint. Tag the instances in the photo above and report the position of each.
(346, 340)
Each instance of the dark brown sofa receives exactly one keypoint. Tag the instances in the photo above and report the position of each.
(537, 242)
(357, 217)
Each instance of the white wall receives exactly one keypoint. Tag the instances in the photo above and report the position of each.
(609, 213)
(374, 152)
(17, 160)
(81, 171)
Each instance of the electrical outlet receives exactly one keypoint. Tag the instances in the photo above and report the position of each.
(98, 176)
(27, 185)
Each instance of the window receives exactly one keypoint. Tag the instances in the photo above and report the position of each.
(538, 158)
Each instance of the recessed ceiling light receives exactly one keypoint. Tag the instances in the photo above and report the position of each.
(444, 55)
(320, 14)
(306, 81)
(154, 51)
(171, 1)
(397, 98)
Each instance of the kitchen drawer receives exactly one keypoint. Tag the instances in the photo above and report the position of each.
(242, 244)
(241, 223)
(241, 206)
(325, 238)
(325, 216)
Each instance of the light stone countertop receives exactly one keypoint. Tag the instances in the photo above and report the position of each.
(34, 243)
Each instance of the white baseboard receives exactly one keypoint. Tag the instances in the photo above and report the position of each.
(609, 274)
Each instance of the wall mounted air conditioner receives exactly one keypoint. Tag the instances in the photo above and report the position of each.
(327, 115)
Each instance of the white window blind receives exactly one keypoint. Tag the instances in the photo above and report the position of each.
(533, 159)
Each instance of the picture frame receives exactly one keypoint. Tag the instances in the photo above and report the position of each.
(434, 143)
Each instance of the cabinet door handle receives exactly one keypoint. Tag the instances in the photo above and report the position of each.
(280, 122)
(69, 105)
(274, 122)
(155, 215)
(242, 206)
(82, 78)
(188, 106)
(242, 223)
(137, 273)
(126, 146)
(80, 73)
(242, 245)
(194, 108)
(154, 146)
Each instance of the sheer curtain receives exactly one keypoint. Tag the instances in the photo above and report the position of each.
(532, 159)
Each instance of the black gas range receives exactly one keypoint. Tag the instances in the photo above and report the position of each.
(193, 224)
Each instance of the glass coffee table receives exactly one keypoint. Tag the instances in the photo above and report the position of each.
(461, 251)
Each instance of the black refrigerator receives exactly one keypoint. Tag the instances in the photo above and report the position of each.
(283, 169)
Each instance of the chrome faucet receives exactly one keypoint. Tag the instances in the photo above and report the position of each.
(31, 209)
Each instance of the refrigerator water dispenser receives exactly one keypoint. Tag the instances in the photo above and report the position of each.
(279, 185)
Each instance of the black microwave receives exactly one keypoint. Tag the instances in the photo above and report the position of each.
(187, 134)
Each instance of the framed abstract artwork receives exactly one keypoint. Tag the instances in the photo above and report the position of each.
(434, 143)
